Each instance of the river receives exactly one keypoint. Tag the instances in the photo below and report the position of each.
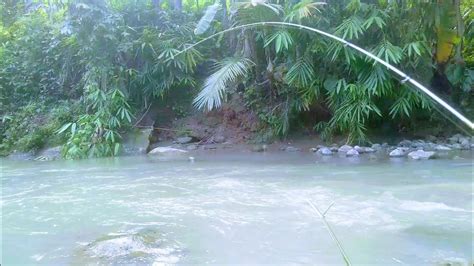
(236, 208)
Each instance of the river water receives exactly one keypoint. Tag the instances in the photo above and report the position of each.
(241, 208)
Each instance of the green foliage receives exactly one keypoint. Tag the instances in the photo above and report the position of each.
(227, 71)
(32, 127)
(115, 58)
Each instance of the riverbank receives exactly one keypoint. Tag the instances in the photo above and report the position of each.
(454, 147)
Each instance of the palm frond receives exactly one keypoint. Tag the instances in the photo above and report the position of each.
(301, 74)
(206, 20)
(227, 71)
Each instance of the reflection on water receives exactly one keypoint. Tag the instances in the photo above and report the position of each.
(238, 208)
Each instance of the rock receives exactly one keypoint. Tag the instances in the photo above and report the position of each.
(405, 143)
(369, 150)
(456, 146)
(334, 148)
(344, 148)
(465, 144)
(292, 149)
(218, 139)
(259, 148)
(21, 156)
(192, 147)
(431, 138)
(421, 155)
(314, 149)
(376, 146)
(398, 152)
(364, 149)
(352, 153)
(184, 140)
(455, 138)
(166, 150)
(191, 159)
(50, 154)
(146, 246)
(442, 148)
(325, 151)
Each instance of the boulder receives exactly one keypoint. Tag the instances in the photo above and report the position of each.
(345, 148)
(166, 150)
(325, 151)
(465, 143)
(352, 153)
(49, 154)
(398, 152)
(218, 139)
(421, 155)
(405, 143)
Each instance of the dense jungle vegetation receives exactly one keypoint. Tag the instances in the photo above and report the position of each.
(81, 73)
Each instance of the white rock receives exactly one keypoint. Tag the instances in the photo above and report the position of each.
(442, 148)
(421, 155)
(325, 151)
(398, 152)
(352, 152)
(166, 150)
(344, 148)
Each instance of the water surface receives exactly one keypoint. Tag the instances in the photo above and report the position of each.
(236, 208)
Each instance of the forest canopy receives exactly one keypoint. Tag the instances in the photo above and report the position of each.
(81, 73)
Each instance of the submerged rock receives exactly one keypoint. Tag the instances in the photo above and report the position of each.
(325, 151)
(143, 247)
(344, 148)
(398, 152)
(422, 155)
(352, 153)
(166, 150)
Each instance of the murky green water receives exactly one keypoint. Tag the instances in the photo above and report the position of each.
(241, 208)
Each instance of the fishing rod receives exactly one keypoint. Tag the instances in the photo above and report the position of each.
(405, 77)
